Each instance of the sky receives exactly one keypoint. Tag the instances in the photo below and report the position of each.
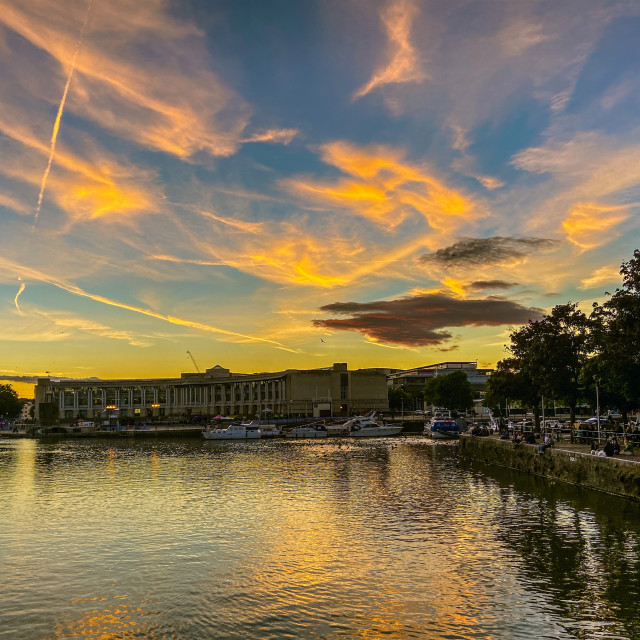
(285, 184)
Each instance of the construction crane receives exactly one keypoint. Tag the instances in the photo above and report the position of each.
(195, 364)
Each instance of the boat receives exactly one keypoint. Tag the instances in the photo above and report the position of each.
(244, 431)
(308, 431)
(367, 427)
(270, 431)
(440, 428)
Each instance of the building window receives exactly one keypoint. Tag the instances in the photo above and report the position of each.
(344, 386)
(69, 397)
(96, 397)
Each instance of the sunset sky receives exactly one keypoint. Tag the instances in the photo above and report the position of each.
(288, 184)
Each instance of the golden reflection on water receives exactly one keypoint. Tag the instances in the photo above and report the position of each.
(20, 504)
(324, 540)
(112, 455)
(103, 619)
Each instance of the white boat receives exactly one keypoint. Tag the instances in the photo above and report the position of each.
(270, 431)
(367, 427)
(308, 431)
(442, 428)
(244, 431)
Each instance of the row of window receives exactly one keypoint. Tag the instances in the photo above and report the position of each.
(184, 396)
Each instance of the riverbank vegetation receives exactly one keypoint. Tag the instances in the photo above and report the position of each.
(573, 358)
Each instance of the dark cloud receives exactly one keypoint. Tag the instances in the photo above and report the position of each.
(423, 320)
(28, 379)
(451, 348)
(34, 378)
(481, 285)
(479, 251)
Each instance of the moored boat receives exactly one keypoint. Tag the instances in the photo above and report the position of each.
(367, 427)
(270, 431)
(308, 431)
(442, 428)
(244, 431)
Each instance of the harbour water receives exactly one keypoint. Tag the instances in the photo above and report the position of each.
(392, 538)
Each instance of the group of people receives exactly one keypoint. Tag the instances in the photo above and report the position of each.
(480, 430)
(612, 447)
(519, 437)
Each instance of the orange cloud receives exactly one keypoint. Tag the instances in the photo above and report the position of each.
(385, 184)
(603, 275)
(167, 100)
(589, 225)
(404, 65)
(84, 187)
(98, 200)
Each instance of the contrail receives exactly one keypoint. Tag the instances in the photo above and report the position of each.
(56, 124)
(34, 274)
(15, 300)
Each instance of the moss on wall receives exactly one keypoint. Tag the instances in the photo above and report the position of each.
(614, 475)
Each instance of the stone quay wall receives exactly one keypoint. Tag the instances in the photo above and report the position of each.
(615, 475)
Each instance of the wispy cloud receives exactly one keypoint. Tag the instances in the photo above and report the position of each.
(88, 184)
(385, 188)
(591, 177)
(607, 274)
(404, 64)
(279, 136)
(240, 225)
(160, 96)
(519, 35)
(15, 300)
(69, 324)
(75, 290)
(589, 225)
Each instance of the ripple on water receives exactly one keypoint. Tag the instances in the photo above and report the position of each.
(334, 539)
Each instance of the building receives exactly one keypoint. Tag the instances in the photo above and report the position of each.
(25, 413)
(414, 380)
(314, 392)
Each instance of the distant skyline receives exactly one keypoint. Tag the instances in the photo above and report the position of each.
(285, 184)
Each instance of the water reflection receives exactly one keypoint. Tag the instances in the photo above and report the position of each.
(578, 548)
(335, 539)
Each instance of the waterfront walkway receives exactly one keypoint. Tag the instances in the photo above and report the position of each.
(577, 448)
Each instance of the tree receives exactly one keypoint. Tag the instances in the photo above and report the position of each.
(511, 382)
(10, 404)
(399, 399)
(507, 383)
(615, 339)
(550, 354)
(453, 391)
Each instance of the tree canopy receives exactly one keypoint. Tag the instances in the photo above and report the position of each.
(564, 354)
(615, 339)
(10, 404)
(453, 391)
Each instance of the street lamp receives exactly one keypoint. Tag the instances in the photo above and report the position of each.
(598, 411)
